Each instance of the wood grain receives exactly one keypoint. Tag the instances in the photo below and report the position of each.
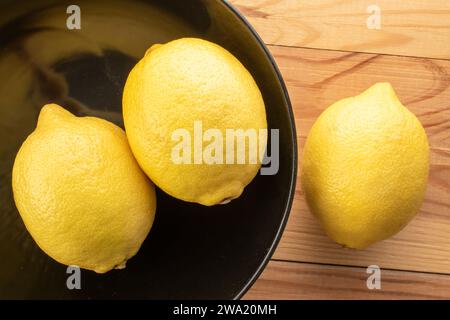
(356, 57)
(287, 280)
(409, 28)
(317, 78)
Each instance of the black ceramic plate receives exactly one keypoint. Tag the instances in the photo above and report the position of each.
(192, 251)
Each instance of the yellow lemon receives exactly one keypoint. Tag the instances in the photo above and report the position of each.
(81, 193)
(197, 87)
(365, 167)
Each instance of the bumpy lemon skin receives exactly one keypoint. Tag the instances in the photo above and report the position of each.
(80, 192)
(365, 167)
(180, 82)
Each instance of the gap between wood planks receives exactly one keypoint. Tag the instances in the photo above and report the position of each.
(405, 28)
(361, 267)
(295, 280)
(353, 51)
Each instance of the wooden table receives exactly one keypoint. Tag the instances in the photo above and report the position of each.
(326, 52)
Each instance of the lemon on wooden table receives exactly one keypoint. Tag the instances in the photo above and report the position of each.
(176, 85)
(81, 193)
(365, 167)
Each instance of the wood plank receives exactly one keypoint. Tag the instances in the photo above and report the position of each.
(317, 78)
(290, 280)
(410, 28)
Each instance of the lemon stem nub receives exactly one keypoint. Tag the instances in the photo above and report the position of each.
(51, 114)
